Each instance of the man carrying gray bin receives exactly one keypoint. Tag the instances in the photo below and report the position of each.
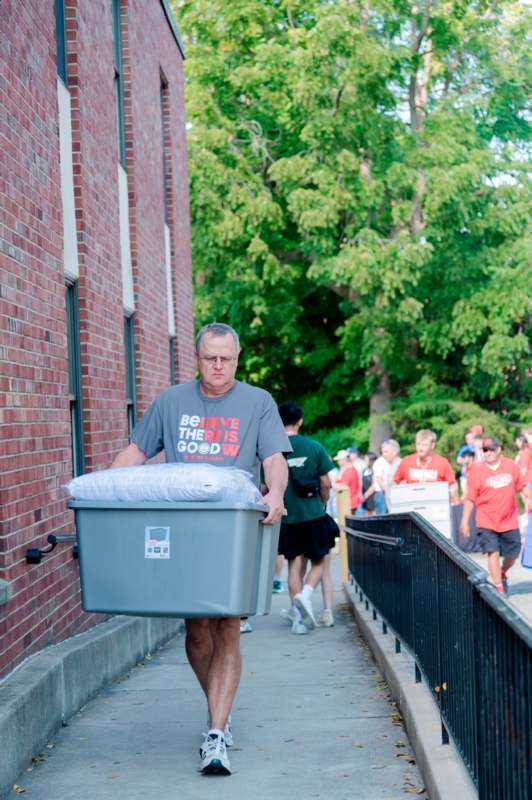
(224, 422)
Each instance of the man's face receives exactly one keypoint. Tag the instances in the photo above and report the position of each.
(217, 363)
(388, 453)
(477, 443)
(469, 438)
(424, 447)
(492, 456)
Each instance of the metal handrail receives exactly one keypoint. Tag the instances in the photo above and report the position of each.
(473, 649)
(392, 541)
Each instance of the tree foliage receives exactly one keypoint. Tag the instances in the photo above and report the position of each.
(360, 195)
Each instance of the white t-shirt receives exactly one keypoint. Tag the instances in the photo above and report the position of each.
(384, 471)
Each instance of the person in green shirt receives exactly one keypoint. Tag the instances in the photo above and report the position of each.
(307, 531)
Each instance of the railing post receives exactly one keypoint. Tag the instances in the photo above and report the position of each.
(342, 510)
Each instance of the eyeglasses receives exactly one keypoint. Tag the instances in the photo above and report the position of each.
(489, 449)
(212, 360)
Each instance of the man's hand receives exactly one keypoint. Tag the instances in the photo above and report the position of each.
(276, 478)
(275, 501)
(131, 456)
(463, 530)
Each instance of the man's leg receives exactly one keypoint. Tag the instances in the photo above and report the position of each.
(213, 651)
(315, 574)
(327, 591)
(494, 567)
(277, 581)
(507, 563)
(224, 670)
(303, 599)
(199, 648)
(296, 571)
(295, 581)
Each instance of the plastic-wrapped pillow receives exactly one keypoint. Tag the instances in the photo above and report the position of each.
(170, 482)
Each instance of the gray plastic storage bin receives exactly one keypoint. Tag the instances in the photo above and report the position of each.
(175, 559)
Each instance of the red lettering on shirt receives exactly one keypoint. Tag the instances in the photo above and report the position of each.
(230, 449)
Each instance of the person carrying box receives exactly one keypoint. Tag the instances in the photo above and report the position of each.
(221, 421)
(425, 466)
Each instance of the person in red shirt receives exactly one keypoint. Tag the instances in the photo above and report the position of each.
(348, 477)
(491, 487)
(425, 466)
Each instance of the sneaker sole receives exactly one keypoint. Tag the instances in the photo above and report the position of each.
(215, 768)
(304, 613)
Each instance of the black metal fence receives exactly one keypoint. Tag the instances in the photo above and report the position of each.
(472, 648)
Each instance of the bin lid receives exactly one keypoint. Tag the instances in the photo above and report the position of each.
(166, 505)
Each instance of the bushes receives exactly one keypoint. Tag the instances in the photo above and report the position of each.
(433, 406)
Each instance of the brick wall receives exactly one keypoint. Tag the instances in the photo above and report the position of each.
(35, 453)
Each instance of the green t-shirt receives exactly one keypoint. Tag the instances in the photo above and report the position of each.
(309, 460)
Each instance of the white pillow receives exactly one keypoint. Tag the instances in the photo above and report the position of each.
(170, 482)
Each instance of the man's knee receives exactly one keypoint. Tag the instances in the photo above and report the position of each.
(226, 633)
(198, 631)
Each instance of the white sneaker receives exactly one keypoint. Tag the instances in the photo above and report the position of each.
(305, 606)
(298, 628)
(228, 733)
(245, 627)
(214, 760)
(287, 614)
(326, 618)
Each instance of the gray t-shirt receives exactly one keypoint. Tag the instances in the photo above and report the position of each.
(239, 429)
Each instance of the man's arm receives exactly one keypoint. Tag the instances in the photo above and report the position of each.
(526, 491)
(399, 474)
(466, 514)
(276, 478)
(325, 488)
(450, 477)
(131, 456)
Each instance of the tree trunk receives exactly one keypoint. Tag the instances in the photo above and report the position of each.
(379, 404)
(421, 46)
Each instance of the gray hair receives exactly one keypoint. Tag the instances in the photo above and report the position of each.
(217, 329)
(392, 443)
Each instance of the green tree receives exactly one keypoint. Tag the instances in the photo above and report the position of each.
(359, 194)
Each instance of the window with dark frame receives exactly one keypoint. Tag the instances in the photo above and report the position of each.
(164, 134)
(74, 379)
(119, 83)
(129, 349)
(60, 39)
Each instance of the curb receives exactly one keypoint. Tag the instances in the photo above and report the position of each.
(443, 771)
(55, 683)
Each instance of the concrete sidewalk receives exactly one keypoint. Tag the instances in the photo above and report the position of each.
(520, 579)
(312, 719)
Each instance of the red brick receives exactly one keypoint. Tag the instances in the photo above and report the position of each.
(35, 457)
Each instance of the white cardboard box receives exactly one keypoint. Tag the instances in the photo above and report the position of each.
(431, 500)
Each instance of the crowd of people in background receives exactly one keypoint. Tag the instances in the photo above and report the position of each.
(482, 481)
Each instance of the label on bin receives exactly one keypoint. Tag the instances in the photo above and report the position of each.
(156, 542)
